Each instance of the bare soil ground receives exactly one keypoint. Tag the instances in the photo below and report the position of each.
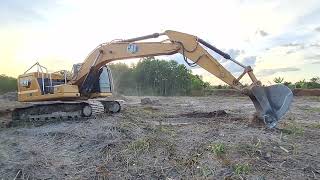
(171, 138)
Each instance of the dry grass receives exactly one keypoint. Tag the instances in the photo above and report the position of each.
(139, 143)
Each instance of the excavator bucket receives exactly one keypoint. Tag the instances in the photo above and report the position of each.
(271, 102)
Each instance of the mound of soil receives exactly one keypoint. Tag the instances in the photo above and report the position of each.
(218, 113)
(145, 101)
(306, 92)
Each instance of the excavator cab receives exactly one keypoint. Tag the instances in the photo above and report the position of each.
(102, 84)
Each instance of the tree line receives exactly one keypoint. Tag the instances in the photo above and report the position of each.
(152, 76)
(313, 83)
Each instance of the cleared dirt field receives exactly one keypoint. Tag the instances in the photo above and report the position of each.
(172, 138)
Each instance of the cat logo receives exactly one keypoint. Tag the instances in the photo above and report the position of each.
(132, 48)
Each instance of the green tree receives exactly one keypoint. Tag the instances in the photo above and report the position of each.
(301, 84)
(7, 84)
(278, 80)
(315, 80)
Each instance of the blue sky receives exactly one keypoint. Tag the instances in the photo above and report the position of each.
(277, 38)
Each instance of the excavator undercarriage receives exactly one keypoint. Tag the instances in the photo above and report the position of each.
(52, 111)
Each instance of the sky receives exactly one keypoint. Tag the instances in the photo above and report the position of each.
(279, 38)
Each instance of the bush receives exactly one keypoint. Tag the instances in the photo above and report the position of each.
(312, 84)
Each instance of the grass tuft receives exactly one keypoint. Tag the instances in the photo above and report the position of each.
(250, 149)
(139, 145)
(293, 129)
(218, 149)
(241, 168)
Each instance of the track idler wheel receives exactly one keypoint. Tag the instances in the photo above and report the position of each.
(111, 106)
(87, 110)
(114, 107)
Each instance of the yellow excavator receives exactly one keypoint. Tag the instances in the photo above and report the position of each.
(63, 95)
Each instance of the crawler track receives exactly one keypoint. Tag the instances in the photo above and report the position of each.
(40, 113)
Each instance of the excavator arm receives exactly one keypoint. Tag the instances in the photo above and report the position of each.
(106, 53)
(271, 102)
